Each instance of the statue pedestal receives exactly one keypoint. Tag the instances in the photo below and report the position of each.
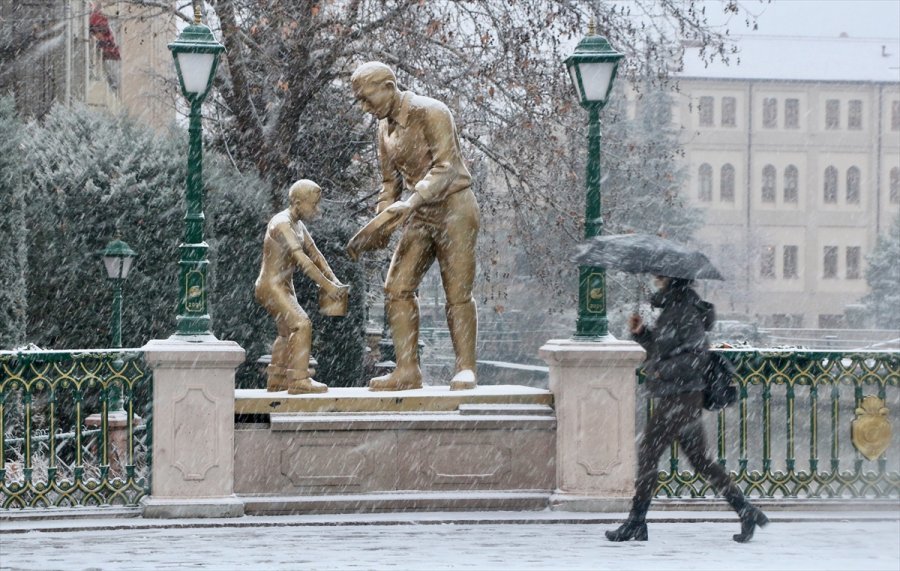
(352, 450)
(593, 385)
(193, 428)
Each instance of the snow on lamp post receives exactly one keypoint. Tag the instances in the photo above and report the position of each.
(196, 54)
(593, 69)
(117, 258)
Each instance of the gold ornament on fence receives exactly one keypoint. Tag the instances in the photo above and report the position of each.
(871, 430)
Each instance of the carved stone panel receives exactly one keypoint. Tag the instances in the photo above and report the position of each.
(195, 439)
(598, 438)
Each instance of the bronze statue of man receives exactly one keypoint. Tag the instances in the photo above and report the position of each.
(288, 246)
(418, 149)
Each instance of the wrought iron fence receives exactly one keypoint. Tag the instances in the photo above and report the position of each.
(75, 428)
(794, 408)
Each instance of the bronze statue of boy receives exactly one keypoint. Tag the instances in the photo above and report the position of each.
(288, 246)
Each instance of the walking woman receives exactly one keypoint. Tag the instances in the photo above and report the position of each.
(677, 352)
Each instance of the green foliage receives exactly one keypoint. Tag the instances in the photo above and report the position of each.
(91, 174)
(12, 229)
(883, 277)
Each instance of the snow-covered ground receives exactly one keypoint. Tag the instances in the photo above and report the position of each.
(451, 541)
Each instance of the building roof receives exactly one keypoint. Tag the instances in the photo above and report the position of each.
(802, 59)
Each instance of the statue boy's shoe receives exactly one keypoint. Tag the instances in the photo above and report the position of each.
(397, 381)
(276, 380)
(305, 386)
(463, 380)
(276, 384)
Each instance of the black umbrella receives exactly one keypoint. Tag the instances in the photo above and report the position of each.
(643, 253)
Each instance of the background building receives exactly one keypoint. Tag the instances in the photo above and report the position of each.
(794, 155)
(106, 54)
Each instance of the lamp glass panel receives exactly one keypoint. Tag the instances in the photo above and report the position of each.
(195, 71)
(573, 73)
(113, 266)
(596, 77)
(126, 266)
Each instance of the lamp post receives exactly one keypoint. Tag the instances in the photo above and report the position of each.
(196, 54)
(593, 69)
(117, 258)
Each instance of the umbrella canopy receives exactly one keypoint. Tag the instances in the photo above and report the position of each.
(643, 253)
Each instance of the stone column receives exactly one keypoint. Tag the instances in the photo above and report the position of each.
(193, 428)
(593, 386)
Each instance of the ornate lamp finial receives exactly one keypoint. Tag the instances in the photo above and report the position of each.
(592, 28)
(197, 12)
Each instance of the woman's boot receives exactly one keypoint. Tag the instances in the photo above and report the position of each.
(751, 516)
(635, 527)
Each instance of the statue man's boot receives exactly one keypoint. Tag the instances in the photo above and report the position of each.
(403, 317)
(462, 320)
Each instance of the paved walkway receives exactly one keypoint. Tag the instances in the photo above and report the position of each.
(507, 541)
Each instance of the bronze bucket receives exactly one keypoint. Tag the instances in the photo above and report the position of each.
(334, 305)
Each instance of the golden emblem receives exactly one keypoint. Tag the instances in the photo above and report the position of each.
(596, 293)
(871, 431)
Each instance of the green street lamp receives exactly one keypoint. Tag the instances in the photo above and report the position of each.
(196, 54)
(593, 69)
(117, 258)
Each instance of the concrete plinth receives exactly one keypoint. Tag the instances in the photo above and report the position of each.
(593, 386)
(193, 428)
(431, 448)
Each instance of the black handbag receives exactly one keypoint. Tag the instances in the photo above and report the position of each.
(719, 392)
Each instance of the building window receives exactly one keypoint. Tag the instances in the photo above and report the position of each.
(829, 262)
(791, 177)
(853, 256)
(831, 178)
(770, 112)
(791, 113)
(729, 112)
(895, 115)
(832, 114)
(854, 115)
(726, 183)
(705, 175)
(895, 186)
(853, 185)
(789, 270)
(768, 184)
(831, 321)
(706, 111)
(767, 263)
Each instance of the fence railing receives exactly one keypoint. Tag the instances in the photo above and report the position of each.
(808, 424)
(75, 428)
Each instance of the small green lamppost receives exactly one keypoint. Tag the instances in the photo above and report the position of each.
(196, 54)
(117, 258)
(593, 69)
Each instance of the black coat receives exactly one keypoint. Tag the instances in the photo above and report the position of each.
(677, 348)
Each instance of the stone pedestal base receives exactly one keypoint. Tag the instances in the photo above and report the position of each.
(193, 428)
(192, 508)
(593, 385)
(358, 450)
